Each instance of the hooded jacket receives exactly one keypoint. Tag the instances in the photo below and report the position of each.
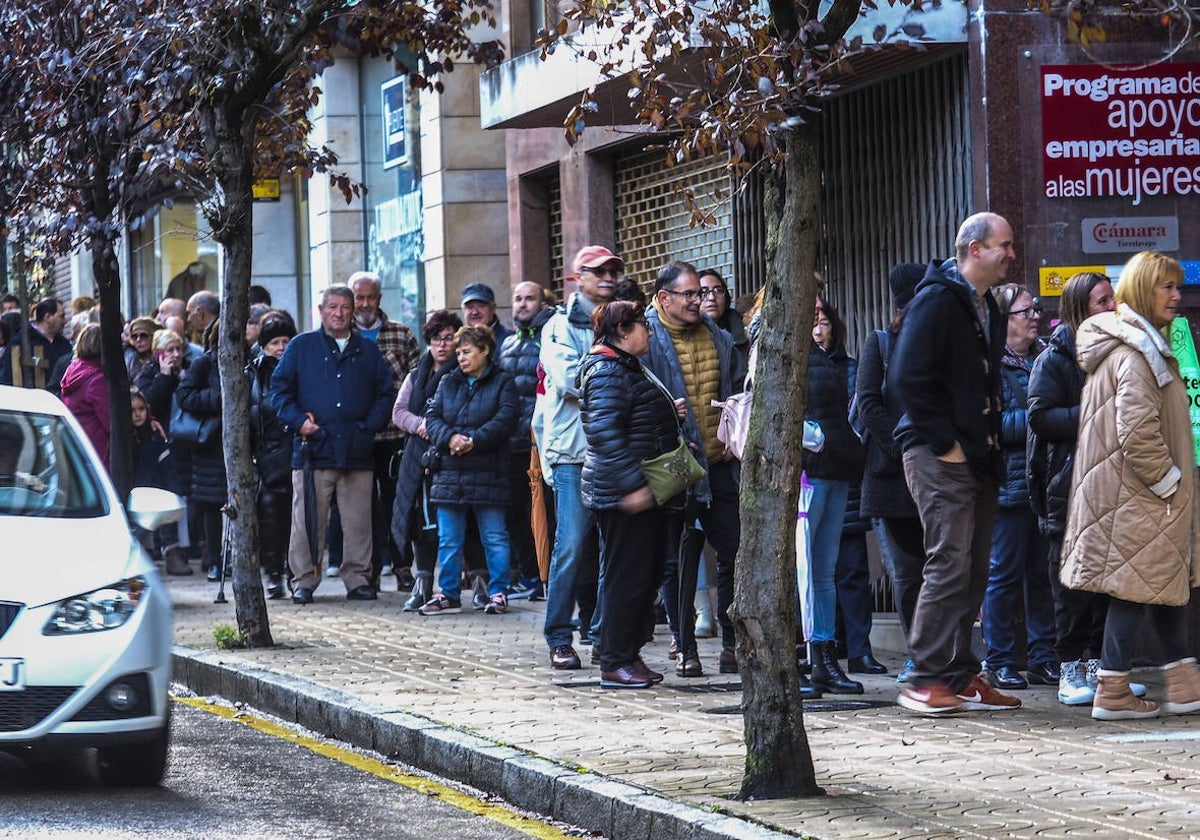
(519, 357)
(1055, 386)
(85, 393)
(1132, 512)
(566, 338)
(946, 372)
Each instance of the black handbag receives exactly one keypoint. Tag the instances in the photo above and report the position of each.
(275, 467)
(190, 429)
(431, 460)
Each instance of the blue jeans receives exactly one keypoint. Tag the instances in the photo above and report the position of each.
(452, 530)
(573, 523)
(1018, 572)
(826, 515)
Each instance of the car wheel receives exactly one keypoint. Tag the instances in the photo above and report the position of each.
(136, 765)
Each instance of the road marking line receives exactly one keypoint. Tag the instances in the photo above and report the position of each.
(451, 796)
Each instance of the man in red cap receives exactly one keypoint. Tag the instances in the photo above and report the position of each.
(566, 339)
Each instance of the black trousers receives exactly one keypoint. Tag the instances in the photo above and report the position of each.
(854, 603)
(1078, 616)
(1123, 623)
(274, 529)
(634, 550)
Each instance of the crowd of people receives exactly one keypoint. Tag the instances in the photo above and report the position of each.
(1046, 487)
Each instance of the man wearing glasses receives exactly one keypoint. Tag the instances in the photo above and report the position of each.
(566, 338)
(695, 359)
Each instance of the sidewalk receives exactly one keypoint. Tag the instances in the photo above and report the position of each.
(1043, 771)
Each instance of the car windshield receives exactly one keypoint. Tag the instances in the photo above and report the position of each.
(44, 471)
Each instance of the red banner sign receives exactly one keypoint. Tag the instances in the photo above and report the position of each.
(1115, 132)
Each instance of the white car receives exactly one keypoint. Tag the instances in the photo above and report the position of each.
(85, 621)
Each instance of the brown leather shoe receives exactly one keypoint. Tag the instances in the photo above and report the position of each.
(624, 677)
(643, 669)
(564, 658)
(727, 664)
(688, 665)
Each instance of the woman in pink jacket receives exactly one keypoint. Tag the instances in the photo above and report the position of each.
(85, 392)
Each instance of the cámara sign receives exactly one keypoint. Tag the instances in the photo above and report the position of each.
(1109, 235)
(1133, 133)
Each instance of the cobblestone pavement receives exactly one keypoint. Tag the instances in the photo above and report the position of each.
(1044, 771)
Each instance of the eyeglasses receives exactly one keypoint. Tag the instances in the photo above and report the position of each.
(614, 273)
(713, 292)
(689, 296)
(140, 336)
(1030, 312)
(441, 339)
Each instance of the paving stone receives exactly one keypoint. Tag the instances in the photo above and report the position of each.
(474, 696)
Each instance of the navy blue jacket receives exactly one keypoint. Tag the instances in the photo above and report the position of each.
(486, 410)
(1014, 394)
(348, 393)
(946, 372)
(627, 419)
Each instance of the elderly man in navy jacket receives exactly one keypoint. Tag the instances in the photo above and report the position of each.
(335, 389)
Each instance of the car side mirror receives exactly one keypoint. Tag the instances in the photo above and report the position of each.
(151, 507)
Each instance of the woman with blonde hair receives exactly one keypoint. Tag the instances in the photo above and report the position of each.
(1131, 521)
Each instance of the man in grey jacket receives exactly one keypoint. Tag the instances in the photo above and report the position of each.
(566, 339)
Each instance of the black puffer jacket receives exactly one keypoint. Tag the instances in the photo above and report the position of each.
(199, 392)
(518, 357)
(159, 390)
(1055, 386)
(828, 405)
(270, 439)
(627, 419)
(486, 411)
(1014, 399)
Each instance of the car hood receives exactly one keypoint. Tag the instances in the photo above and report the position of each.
(52, 559)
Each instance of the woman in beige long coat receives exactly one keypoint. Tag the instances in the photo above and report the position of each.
(1132, 510)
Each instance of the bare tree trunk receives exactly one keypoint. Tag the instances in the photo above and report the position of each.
(112, 359)
(233, 227)
(778, 758)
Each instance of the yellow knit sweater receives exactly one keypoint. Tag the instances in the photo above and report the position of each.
(697, 353)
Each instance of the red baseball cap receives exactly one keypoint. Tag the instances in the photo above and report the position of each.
(594, 256)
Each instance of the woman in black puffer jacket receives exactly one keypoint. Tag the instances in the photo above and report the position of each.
(271, 448)
(628, 418)
(199, 393)
(1055, 386)
(474, 412)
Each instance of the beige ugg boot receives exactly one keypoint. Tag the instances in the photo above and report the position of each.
(1114, 700)
(1183, 687)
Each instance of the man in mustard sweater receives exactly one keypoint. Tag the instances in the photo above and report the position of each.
(695, 359)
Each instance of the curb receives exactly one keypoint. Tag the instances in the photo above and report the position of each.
(617, 810)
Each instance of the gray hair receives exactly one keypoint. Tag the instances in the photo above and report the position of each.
(337, 290)
(365, 277)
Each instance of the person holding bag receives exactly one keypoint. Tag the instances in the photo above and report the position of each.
(629, 419)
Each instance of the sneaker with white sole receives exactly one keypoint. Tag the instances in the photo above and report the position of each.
(980, 696)
(934, 699)
(1073, 688)
(332, 571)
(1093, 668)
(439, 604)
(497, 604)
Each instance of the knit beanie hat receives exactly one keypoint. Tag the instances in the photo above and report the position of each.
(903, 281)
(272, 327)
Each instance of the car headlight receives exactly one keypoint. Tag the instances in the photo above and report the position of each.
(100, 609)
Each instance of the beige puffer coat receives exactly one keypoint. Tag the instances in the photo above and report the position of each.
(1127, 534)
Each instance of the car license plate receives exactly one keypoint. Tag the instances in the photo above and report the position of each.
(12, 674)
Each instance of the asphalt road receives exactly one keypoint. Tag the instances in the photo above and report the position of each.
(237, 775)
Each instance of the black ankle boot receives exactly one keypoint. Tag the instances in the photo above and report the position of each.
(808, 691)
(827, 674)
(422, 591)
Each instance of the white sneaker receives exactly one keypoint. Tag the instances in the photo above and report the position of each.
(333, 571)
(1093, 667)
(1073, 688)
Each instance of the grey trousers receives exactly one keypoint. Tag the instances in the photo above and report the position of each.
(958, 513)
(353, 488)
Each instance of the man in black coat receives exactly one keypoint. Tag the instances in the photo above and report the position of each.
(518, 357)
(946, 374)
(46, 345)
